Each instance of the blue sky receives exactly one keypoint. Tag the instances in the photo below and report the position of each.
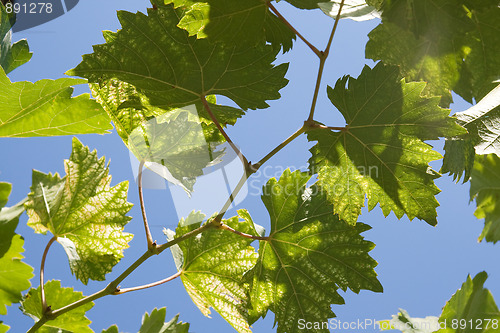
(420, 266)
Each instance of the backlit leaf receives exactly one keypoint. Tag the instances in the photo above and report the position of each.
(11, 55)
(83, 212)
(380, 153)
(356, 10)
(309, 255)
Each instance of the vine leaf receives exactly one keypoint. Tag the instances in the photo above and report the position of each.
(11, 55)
(57, 297)
(309, 254)
(450, 44)
(471, 303)
(15, 275)
(46, 108)
(85, 214)
(155, 323)
(484, 188)
(213, 265)
(356, 10)
(306, 4)
(175, 70)
(406, 324)
(247, 22)
(381, 153)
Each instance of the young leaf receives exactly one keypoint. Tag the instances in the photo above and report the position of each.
(472, 303)
(310, 254)
(381, 153)
(85, 214)
(57, 297)
(11, 55)
(356, 10)
(248, 22)
(406, 324)
(46, 108)
(175, 70)
(485, 188)
(15, 275)
(155, 323)
(213, 265)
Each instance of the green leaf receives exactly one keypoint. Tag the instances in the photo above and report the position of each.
(356, 10)
(15, 275)
(472, 303)
(406, 324)
(485, 189)
(3, 328)
(306, 4)
(212, 266)
(57, 297)
(308, 255)
(175, 70)
(155, 323)
(248, 22)
(381, 153)
(451, 45)
(459, 157)
(46, 108)
(83, 212)
(11, 55)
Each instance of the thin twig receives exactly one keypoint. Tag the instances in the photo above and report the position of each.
(149, 238)
(149, 285)
(242, 234)
(221, 129)
(217, 220)
(284, 20)
(322, 61)
(45, 308)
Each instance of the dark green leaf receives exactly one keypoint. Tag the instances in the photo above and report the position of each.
(310, 254)
(11, 55)
(57, 297)
(485, 188)
(381, 153)
(459, 157)
(111, 329)
(46, 108)
(213, 265)
(174, 70)
(472, 303)
(248, 22)
(85, 214)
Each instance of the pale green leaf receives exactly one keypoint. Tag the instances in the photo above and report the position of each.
(213, 264)
(57, 297)
(306, 4)
(15, 275)
(248, 22)
(46, 108)
(3, 328)
(11, 55)
(380, 153)
(83, 212)
(356, 10)
(307, 257)
(472, 304)
(406, 324)
(485, 189)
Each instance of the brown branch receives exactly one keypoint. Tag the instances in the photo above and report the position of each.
(45, 308)
(149, 285)
(284, 20)
(149, 238)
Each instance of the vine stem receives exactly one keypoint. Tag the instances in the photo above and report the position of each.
(221, 129)
(284, 20)
(149, 238)
(242, 234)
(45, 308)
(322, 61)
(149, 285)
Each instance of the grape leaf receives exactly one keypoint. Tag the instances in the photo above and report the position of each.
(15, 275)
(3, 328)
(46, 108)
(248, 22)
(459, 157)
(83, 212)
(309, 254)
(306, 4)
(451, 45)
(11, 55)
(406, 324)
(175, 70)
(381, 153)
(472, 303)
(356, 10)
(57, 297)
(155, 323)
(485, 189)
(213, 265)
